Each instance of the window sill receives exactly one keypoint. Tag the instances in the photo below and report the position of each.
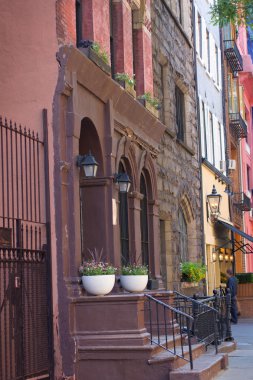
(170, 132)
(216, 171)
(201, 61)
(217, 86)
(186, 147)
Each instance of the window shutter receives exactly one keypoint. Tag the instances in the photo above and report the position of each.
(219, 69)
(223, 147)
(242, 105)
(204, 45)
(216, 141)
(208, 135)
(212, 57)
(202, 129)
(197, 30)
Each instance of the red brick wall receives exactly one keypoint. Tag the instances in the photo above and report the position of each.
(96, 22)
(122, 37)
(143, 61)
(66, 22)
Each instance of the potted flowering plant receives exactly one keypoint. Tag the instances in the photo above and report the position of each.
(98, 277)
(127, 82)
(134, 277)
(96, 53)
(192, 273)
(151, 103)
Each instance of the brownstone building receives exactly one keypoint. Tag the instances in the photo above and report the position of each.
(85, 109)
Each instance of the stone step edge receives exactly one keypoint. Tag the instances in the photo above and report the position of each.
(202, 368)
(171, 356)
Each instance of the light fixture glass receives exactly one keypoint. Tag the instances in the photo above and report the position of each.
(231, 258)
(89, 165)
(221, 257)
(214, 202)
(124, 182)
(226, 257)
(214, 256)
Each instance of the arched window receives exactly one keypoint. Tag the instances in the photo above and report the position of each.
(123, 220)
(144, 222)
(183, 238)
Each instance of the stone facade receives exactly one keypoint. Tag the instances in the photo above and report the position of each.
(178, 162)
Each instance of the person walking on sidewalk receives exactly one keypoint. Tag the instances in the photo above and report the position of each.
(232, 285)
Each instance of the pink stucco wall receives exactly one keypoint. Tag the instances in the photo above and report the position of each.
(28, 75)
(246, 80)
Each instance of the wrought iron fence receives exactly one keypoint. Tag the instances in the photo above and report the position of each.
(24, 256)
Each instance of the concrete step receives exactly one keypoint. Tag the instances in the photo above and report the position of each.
(173, 360)
(205, 367)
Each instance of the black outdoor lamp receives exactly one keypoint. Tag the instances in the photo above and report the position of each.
(124, 182)
(89, 165)
(214, 203)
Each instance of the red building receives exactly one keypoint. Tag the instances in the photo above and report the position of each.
(246, 84)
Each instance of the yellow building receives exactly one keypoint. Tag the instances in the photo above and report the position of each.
(217, 242)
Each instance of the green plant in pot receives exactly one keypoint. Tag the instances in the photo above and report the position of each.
(192, 272)
(148, 98)
(100, 52)
(124, 77)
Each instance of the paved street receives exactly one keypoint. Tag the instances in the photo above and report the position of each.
(240, 360)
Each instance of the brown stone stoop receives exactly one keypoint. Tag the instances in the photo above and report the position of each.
(111, 339)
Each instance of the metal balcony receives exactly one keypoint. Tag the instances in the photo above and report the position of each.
(241, 201)
(233, 55)
(238, 125)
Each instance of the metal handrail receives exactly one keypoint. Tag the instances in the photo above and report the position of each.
(205, 327)
(166, 321)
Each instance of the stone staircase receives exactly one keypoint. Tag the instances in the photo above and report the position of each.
(206, 363)
(116, 341)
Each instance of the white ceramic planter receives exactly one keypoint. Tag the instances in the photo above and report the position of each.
(134, 283)
(98, 285)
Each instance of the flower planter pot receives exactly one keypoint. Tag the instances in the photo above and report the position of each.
(134, 283)
(128, 88)
(149, 107)
(94, 57)
(189, 285)
(99, 285)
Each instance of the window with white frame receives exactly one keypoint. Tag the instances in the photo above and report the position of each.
(212, 136)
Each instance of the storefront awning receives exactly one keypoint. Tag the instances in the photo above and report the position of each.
(239, 232)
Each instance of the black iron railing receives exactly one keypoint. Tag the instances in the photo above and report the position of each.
(170, 328)
(241, 201)
(233, 55)
(238, 125)
(205, 327)
(220, 301)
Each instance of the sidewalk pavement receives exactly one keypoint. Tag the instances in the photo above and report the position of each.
(240, 362)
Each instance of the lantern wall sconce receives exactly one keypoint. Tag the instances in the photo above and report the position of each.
(226, 257)
(214, 255)
(89, 165)
(221, 257)
(213, 200)
(123, 180)
(231, 257)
